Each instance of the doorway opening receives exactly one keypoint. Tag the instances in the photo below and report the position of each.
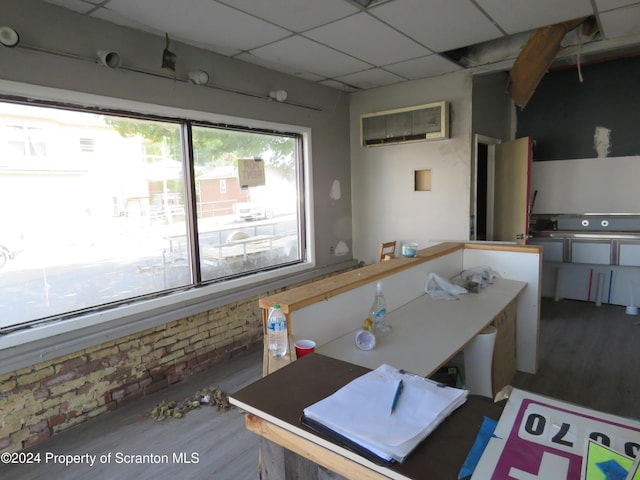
(483, 182)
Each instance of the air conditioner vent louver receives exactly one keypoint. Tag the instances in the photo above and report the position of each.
(411, 124)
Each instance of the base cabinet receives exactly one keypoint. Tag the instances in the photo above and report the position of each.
(504, 352)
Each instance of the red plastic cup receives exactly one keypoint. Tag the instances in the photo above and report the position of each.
(304, 347)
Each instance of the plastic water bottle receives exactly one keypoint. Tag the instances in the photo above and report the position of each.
(277, 337)
(378, 312)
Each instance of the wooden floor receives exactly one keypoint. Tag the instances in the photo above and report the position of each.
(225, 449)
(588, 355)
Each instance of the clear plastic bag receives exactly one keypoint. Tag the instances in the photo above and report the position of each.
(441, 289)
(475, 278)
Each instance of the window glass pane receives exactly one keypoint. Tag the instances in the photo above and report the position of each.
(245, 229)
(81, 229)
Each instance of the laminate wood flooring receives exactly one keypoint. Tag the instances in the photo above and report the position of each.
(215, 442)
(588, 355)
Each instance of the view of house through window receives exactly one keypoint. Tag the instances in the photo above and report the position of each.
(95, 208)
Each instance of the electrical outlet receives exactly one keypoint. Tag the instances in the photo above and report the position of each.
(332, 250)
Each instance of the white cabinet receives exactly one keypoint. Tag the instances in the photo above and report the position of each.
(629, 254)
(591, 251)
(553, 250)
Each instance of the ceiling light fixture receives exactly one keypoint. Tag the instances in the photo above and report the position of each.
(199, 77)
(278, 95)
(9, 37)
(108, 58)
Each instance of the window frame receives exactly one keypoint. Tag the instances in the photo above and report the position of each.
(49, 339)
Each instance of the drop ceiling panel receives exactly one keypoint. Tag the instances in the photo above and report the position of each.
(439, 25)
(366, 38)
(296, 15)
(306, 55)
(621, 22)
(604, 5)
(231, 28)
(428, 66)
(522, 15)
(279, 67)
(79, 6)
(375, 77)
(321, 40)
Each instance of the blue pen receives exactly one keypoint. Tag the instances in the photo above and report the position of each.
(396, 397)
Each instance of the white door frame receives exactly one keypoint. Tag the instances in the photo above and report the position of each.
(490, 142)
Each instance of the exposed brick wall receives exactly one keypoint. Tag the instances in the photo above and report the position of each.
(41, 400)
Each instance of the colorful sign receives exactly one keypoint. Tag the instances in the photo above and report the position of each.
(542, 438)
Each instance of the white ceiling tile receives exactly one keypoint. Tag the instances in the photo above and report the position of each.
(80, 6)
(422, 67)
(374, 77)
(522, 15)
(604, 5)
(296, 15)
(303, 54)
(365, 37)
(621, 22)
(279, 67)
(205, 22)
(344, 40)
(439, 25)
(338, 85)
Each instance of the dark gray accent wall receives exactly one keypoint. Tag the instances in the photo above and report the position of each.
(563, 113)
(491, 111)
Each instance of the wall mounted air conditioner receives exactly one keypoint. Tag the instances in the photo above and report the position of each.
(410, 124)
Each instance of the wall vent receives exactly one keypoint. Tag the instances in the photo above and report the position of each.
(402, 125)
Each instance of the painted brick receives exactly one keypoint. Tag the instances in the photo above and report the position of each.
(35, 376)
(55, 420)
(41, 393)
(58, 379)
(85, 388)
(178, 345)
(156, 386)
(39, 427)
(33, 439)
(70, 364)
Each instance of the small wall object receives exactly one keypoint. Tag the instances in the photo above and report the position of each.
(422, 180)
(9, 37)
(168, 57)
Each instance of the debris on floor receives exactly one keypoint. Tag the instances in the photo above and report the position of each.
(208, 396)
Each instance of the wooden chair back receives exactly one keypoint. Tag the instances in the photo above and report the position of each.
(387, 250)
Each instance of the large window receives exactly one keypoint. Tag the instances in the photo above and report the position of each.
(144, 207)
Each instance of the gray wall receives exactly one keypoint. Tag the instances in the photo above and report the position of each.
(47, 26)
(492, 106)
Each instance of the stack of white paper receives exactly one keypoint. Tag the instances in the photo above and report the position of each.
(361, 411)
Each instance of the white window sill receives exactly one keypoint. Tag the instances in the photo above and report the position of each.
(43, 342)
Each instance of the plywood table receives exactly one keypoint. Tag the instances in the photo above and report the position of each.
(275, 403)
